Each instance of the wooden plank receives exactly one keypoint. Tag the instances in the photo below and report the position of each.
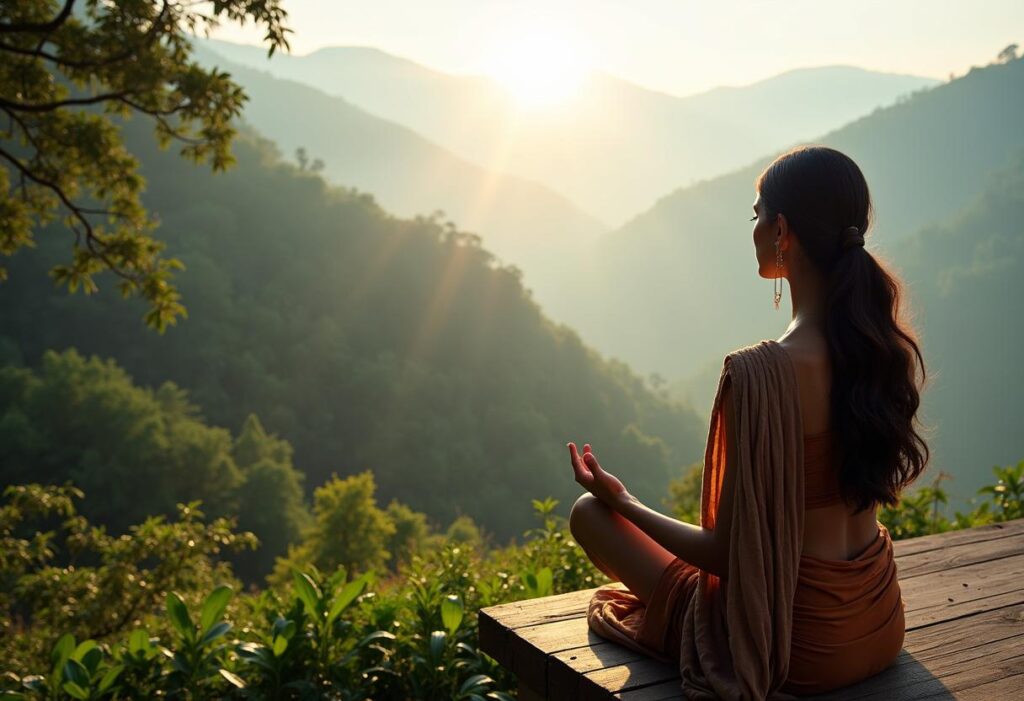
(936, 560)
(963, 591)
(1009, 688)
(532, 645)
(601, 684)
(949, 539)
(529, 612)
(566, 669)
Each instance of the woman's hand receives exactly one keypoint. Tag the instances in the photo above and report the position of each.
(603, 485)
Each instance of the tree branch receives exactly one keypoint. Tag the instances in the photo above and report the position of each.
(51, 106)
(37, 28)
(76, 211)
(38, 52)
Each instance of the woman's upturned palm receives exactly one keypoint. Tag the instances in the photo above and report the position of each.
(589, 474)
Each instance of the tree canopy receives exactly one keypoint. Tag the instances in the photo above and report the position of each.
(366, 341)
(66, 73)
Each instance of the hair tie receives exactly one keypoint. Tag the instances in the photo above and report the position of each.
(852, 237)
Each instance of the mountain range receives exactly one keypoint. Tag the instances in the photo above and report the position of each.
(612, 147)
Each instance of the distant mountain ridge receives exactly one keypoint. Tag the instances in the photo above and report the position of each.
(688, 262)
(616, 145)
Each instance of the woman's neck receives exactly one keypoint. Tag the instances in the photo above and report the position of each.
(807, 293)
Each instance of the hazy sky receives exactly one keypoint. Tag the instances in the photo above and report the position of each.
(680, 47)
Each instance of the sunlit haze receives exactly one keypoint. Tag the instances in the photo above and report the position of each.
(539, 67)
(667, 45)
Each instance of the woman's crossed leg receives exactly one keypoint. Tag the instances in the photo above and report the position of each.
(618, 547)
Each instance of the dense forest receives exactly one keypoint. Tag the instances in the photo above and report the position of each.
(367, 341)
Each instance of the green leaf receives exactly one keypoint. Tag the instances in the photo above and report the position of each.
(178, 613)
(138, 641)
(75, 691)
(437, 644)
(257, 654)
(451, 613)
(307, 592)
(83, 648)
(283, 628)
(91, 659)
(215, 632)
(232, 678)
(214, 607)
(374, 636)
(110, 677)
(345, 597)
(76, 673)
(475, 684)
(544, 581)
(62, 650)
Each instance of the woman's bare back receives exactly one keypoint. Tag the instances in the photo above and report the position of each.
(830, 532)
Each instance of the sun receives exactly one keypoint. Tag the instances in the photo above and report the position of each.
(539, 69)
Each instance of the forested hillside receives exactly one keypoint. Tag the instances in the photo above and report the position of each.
(367, 341)
(968, 274)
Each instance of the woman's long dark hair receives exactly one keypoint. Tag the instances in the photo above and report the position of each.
(874, 355)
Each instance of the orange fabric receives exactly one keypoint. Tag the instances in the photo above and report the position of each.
(821, 475)
(781, 623)
(848, 617)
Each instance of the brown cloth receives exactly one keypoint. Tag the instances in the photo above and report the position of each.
(818, 623)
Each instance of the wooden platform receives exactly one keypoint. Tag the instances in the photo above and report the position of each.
(964, 594)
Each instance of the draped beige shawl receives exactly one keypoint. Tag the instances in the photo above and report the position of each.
(741, 651)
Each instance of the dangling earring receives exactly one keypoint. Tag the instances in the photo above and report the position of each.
(778, 274)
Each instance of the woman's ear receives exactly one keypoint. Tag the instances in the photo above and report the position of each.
(784, 233)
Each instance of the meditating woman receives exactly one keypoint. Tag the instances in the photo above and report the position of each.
(788, 586)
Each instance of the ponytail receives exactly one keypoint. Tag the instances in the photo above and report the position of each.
(874, 355)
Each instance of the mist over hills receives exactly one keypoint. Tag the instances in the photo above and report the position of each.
(521, 222)
(614, 147)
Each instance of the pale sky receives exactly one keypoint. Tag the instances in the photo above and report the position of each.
(678, 47)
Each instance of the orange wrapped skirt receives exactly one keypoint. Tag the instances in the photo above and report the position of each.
(848, 617)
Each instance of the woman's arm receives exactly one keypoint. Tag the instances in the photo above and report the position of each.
(705, 548)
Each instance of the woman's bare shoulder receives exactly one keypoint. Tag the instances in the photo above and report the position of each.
(806, 348)
(809, 353)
